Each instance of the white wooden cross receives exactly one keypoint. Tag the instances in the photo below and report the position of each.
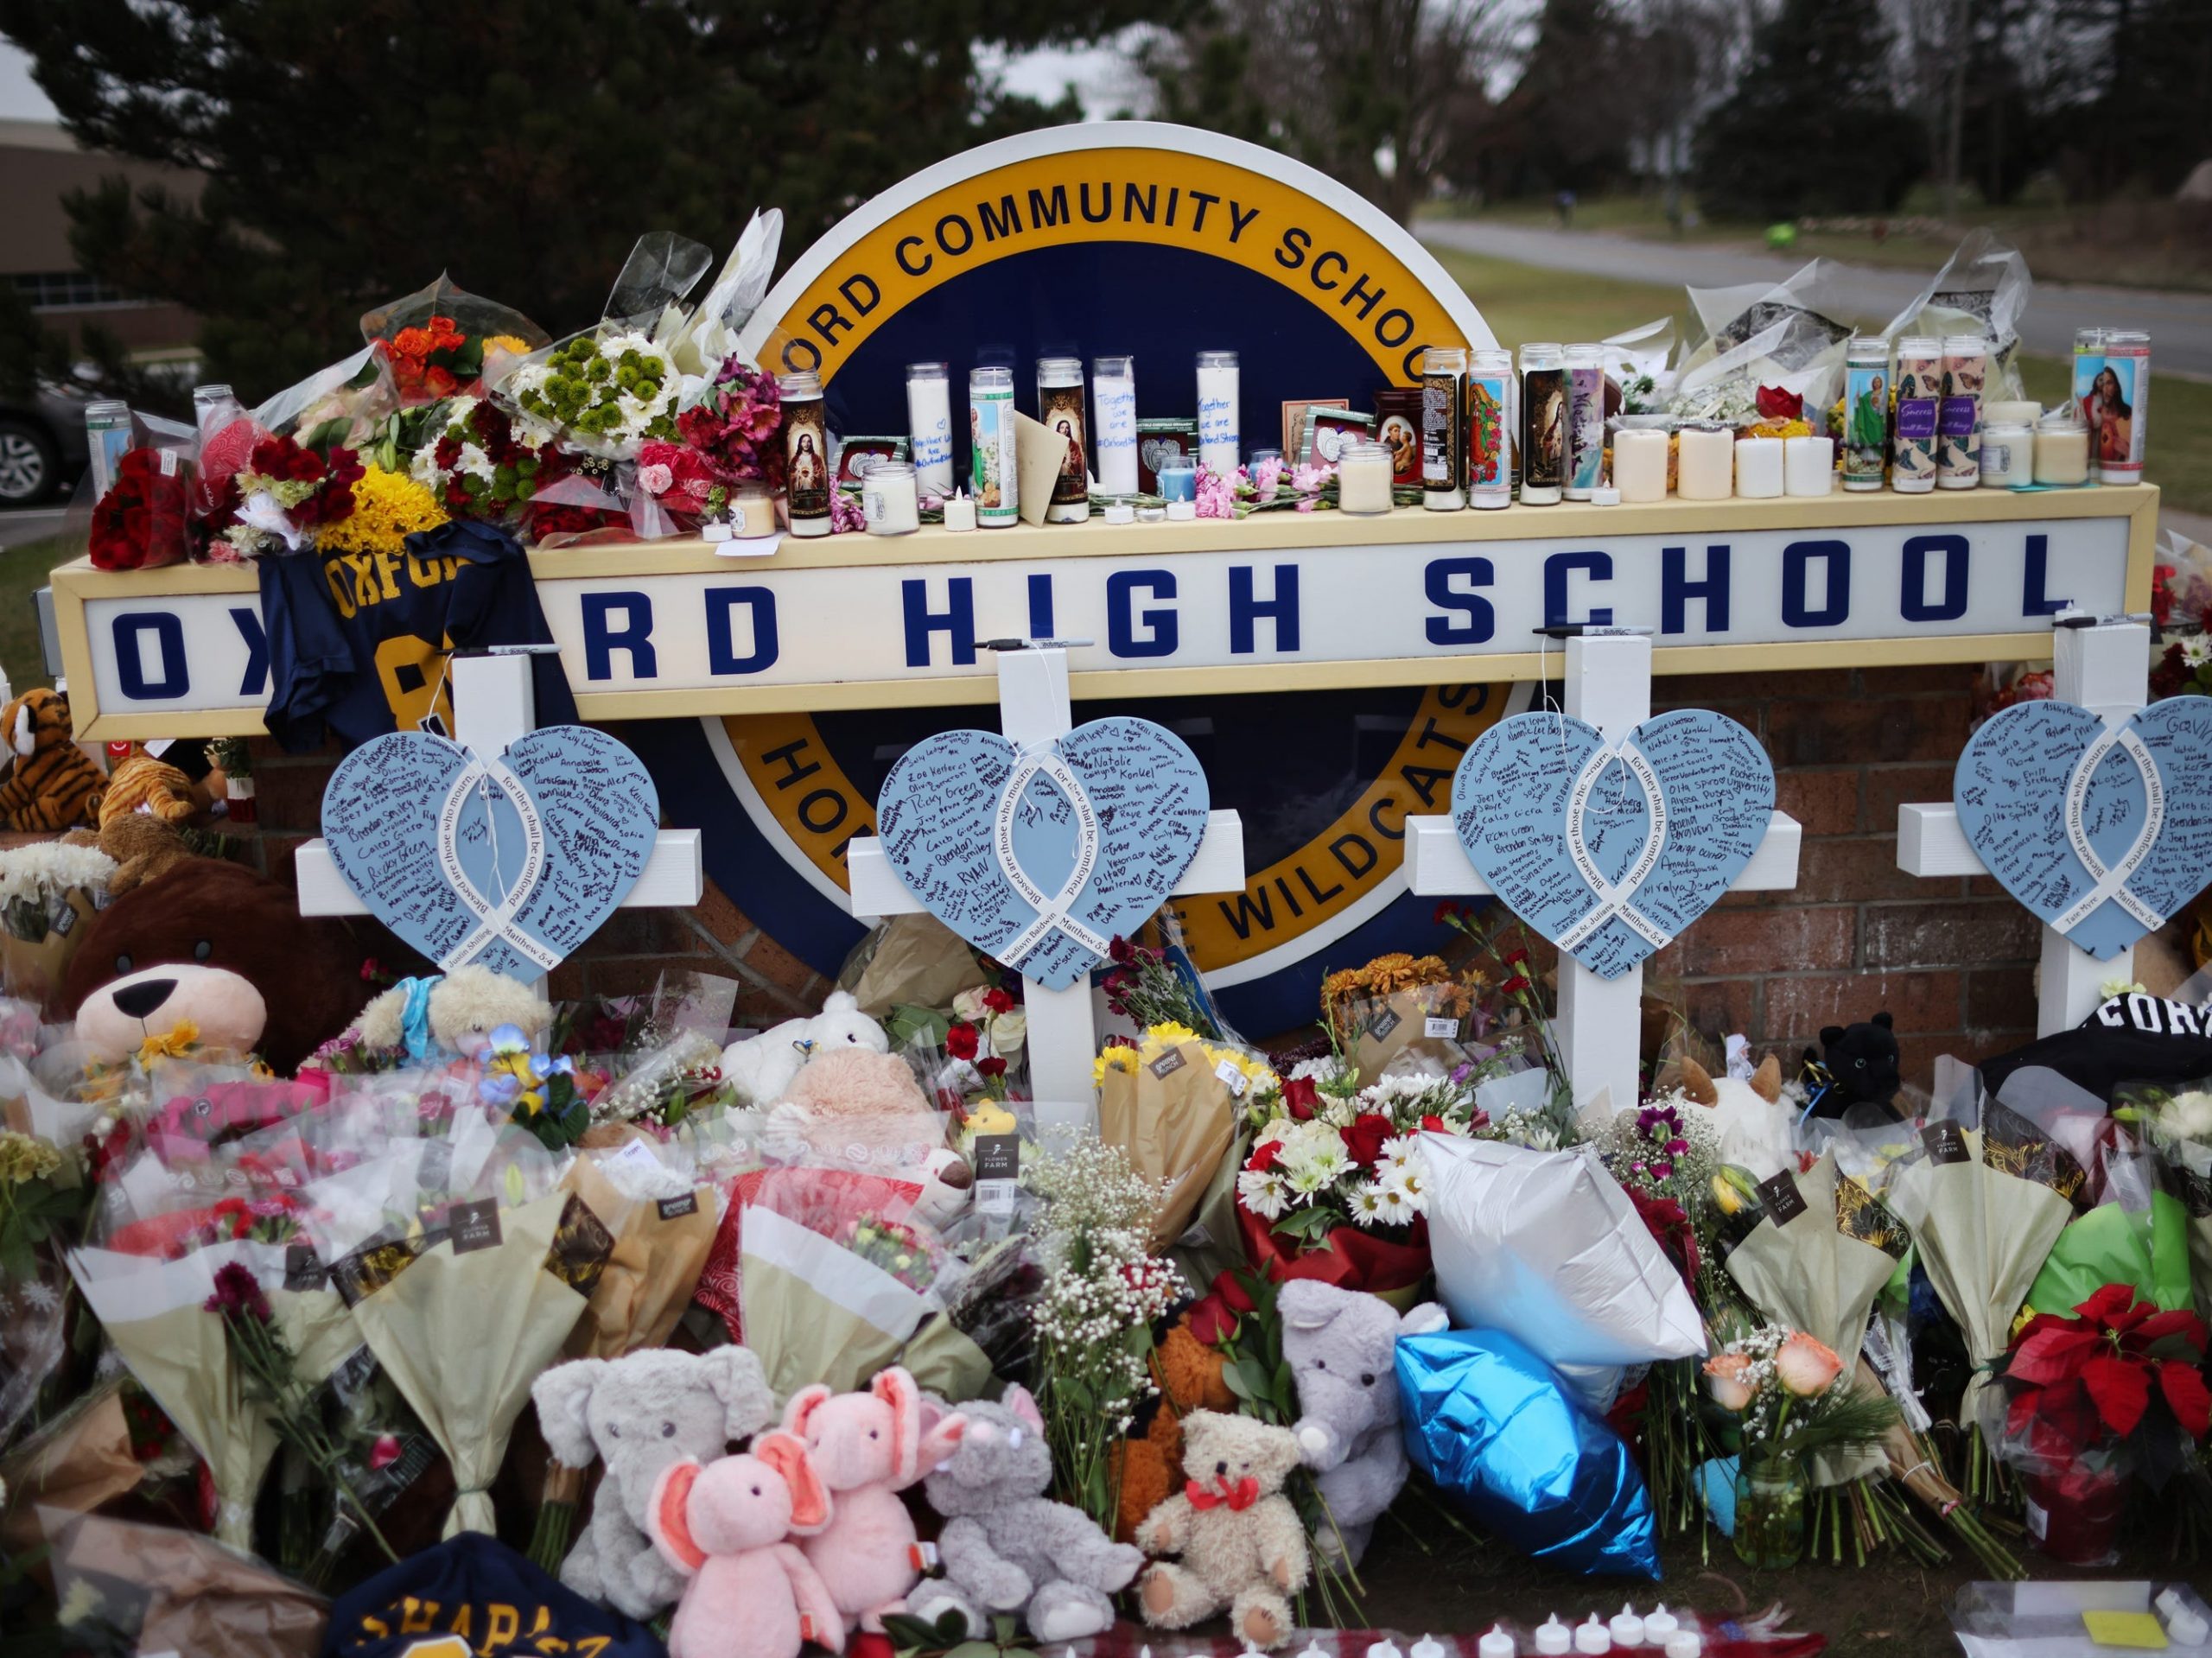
(493, 704)
(1034, 707)
(2103, 666)
(1608, 684)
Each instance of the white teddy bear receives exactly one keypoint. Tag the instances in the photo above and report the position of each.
(761, 1067)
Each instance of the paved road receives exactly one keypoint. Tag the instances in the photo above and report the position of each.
(28, 523)
(2180, 325)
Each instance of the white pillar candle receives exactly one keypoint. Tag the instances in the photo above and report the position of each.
(1219, 443)
(1114, 404)
(929, 425)
(1705, 467)
(1363, 478)
(1758, 467)
(888, 499)
(1640, 464)
(1809, 463)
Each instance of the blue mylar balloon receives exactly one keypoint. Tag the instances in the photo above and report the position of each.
(1493, 1426)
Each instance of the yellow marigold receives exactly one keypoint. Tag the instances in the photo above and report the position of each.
(179, 1042)
(388, 507)
(23, 1158)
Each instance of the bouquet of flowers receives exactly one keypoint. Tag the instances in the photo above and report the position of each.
(443, 341)
(144, 520)
(288, 493)
(49, 891)
(603, 393)
(1173, 1104)
(481, 463)
(735, 429)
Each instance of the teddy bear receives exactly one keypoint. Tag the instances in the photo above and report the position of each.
(852, 1107)
(53, 783)
(143, 784)
(1147, 1466)
(751, 1594)
(1758, 1131)
(1241, 1543)
(1341, 1346)
(1007, 1548)
(142, 845)
(213, 945)
(1862, 1065)
(452, 1013)
(868, 1447)
(640, 1414)
(761, 1067)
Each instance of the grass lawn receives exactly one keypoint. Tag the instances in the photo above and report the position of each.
(1522, 303)
(22, 572)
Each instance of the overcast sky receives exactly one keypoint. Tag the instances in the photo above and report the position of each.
(19, 98)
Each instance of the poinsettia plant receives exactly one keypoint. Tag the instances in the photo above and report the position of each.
(2119, 1385)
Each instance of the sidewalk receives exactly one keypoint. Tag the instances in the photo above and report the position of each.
(2180, 325)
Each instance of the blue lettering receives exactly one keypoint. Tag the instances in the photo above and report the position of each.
(956, 621)
(254, 681)
(1836, 605)
(1676, 589)
(130, 630)
(1121, 588)
(1558, 569)
(1245, 609)
(1480, 625)
(635, 637)
(2037, 582)
(1917, 606)
(721, 649)
(1041, 606)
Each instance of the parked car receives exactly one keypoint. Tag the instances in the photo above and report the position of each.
(42, 447)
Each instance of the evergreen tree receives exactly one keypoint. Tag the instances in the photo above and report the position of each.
(351, 149)
(1812, 126)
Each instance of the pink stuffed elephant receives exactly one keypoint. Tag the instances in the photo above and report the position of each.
(867, 1447)
(751, 1595)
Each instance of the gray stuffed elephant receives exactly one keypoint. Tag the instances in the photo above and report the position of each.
(1341, 1346)
(640, 1413)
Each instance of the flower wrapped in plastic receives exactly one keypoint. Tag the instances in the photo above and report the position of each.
(144, 519)
(444, 341)
(1174, 1104)
(48, 891)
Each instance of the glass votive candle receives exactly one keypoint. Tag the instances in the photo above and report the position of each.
(1758, 468)
(1179, 486)
(891, 498)
(2061, 449)
(1705, 461)
(1363, 470)
(1808, 464)
(2007, 454)
(1640, 464)
(752, 512)
(2011, 413)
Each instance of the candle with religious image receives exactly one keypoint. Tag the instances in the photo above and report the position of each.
(2116, 404)
(1059, 410)
(1866, 412)
(1920, 399)
(1585, 421)
(1543, 423)
(1490, 429)
(807, 482)
(993, 478)
(1443, 445)
(929, 424)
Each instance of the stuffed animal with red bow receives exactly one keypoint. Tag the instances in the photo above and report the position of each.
(1240, 1541)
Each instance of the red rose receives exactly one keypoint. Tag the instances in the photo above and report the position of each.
(1775, 403)
(997, 1000)
(1301, 1098)
(962, 1040)
(1433, 1123)
(1265, 1156)
(1363, 1139)
(993, 1066)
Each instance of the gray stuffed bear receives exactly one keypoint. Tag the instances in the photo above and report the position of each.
(1005, 1547)
(640, 1413)
(1341, 1346)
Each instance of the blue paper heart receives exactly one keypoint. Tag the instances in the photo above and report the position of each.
(414, 848)
(944, 805)
(2016, 794)
(1518, 784)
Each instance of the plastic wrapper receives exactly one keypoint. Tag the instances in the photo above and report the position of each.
(1421, 1031)
(2176, 1123)
(1636, 360)
(444, 341)
(1984, 288)
(1505, 1440)
(144, 520)
(34, 1339)
(648, 290)
(663, 1225)
(1546, 1246)
(1785, 335)
(73, 1465)
(2051, 1619)
(1727, 386)
(2137, 1233)
(1173, 1108)
(663, 1082)
(343, 404)
(709, 334)
(175, 1592)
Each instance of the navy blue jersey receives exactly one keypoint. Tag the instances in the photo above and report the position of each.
(473, 1596)
(358, 642)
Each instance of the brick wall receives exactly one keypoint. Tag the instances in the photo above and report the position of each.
(1952, 961)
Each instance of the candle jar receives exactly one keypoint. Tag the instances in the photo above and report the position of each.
(1585, 421)
(806, 454)
(1640, 463)
(1219, 443)
(1758, 468)
(1490, 435)
(929, 424)
(752, 512)
(1808, 464)
(1543, 423)
(2007, 454)
(890, 498)
(1443, 441)
(1920, 400)
(1364, 477)
(2061, 449)
(1706, 461)
(1060, 411)
(992, 475)
(1114, 399)
(1179, 487)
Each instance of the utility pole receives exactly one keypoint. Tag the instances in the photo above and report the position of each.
(1954, 133)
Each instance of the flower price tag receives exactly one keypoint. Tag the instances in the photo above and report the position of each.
(1383, 1023)
(674, 1208)
(302, 1268)
(1438, 1025)
(1233, 1079)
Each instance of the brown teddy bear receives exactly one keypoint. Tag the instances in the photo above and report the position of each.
(1241, 1543)
(1149, 1465)
(217, 946)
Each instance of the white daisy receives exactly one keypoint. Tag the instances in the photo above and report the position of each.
(1392, 1207)
(1263, 1192)
(2197, 650)
(1368, 1205)
(1411, 1184)
(1400, 1151)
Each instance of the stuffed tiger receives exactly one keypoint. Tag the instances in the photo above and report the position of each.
(143, 784)
(54, 784)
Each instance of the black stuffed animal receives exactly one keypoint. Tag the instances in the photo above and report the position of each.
(1859, 1065)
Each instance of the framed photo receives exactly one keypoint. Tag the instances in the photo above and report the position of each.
(859, 455)
(1326, 430)
(1159, 440)
(1293, 420)
(1397, 424)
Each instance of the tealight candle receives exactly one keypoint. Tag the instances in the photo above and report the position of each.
(1706, 463)
(1363, 478)
(1626, 1628)
(1685, 1644)
(960, 512)
(1660, 1623)
(1808, 464)
(1758, 467)
(1496, 1644)
(1593, 1636)
(1554, 1637)
(1385, 1648)
(1640, 464)
(2061, 449)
